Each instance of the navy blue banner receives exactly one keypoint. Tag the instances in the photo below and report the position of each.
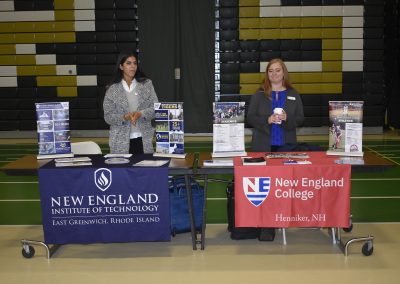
(92, 205)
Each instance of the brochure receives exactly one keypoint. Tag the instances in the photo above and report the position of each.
(73, 160)
(73, 164)
(287, 156)
(151, 163)
(118, 156)
(350, 160)
(218, 163)
(54, 156)
(297, 162)
(176, 156)
(116, 160)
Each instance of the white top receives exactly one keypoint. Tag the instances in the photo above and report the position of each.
(132, 97)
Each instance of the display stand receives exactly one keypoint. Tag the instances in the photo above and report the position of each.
(345, 134)
(53, 130)
(170, 135)
(228, 129)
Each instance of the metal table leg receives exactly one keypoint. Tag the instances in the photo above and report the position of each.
(191, 211)
(367, 249)
(203, 227)
(28, 251)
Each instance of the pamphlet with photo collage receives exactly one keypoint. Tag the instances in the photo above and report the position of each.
(53, 130)
(170, 133)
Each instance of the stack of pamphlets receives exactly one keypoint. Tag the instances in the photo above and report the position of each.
(73, 162)
(350, 160)
(151, 163)
(118, 156)
(116, 160)
(54, 156)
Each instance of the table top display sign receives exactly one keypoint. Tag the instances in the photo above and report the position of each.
(228, 129)
(169, 130)
(53, 130)
(345, 132)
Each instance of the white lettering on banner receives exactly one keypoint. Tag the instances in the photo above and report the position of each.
(97, 200)
(322, 182)
(67, 201)
(297, 218)
(147, 219)
(61, 211)
(294, 194)
(247, 183)
(319, 217)
(87, 222)
(122, 200)
(311, 183)
(62, 222)
(286, 182)
(125, 220)
(136, 208)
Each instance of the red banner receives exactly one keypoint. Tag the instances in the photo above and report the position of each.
(278, 195)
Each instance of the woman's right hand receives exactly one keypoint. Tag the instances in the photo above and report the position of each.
(132, 116)
(274, 118)
(127, 116)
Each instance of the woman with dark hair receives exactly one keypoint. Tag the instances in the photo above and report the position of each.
(275, 110)
(129, 107)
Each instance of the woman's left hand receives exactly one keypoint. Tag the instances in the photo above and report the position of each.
(283, 116)
(135, 116)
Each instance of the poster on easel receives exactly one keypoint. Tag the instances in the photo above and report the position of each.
(345, 130)
(53, 130)
(170, 134)
(228, 129)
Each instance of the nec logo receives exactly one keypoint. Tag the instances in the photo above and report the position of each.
(103, 178)
(256, 189)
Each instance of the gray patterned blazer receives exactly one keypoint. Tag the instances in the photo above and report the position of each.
(115, 106)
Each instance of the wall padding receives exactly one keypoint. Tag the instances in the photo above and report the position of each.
(325, 44)
(53, 50)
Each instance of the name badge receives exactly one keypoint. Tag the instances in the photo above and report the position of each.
(291, 98)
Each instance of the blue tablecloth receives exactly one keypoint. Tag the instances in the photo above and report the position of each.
(104, 203)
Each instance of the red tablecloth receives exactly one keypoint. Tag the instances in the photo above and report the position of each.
(292, 195)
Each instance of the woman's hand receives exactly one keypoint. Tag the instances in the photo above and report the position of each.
(273, 118)
(135, 116)
(283, 116)
(132, 116)
(277, 118)
(127, 116)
